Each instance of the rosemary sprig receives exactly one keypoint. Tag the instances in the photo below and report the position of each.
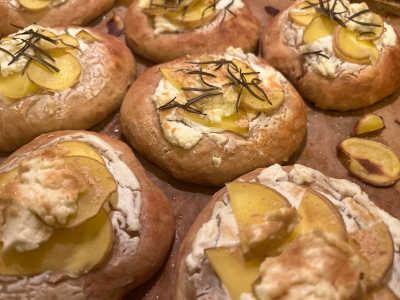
(188, 106)
(318, 53)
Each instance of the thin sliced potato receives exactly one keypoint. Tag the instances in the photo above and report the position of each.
(73, 250)
(17, 86)
(34, 4)
(101, 186)
(69, 71)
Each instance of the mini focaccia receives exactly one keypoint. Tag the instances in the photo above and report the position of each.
(340, 55)
(290, 233)
(79, 219)
(163, 30)
(63, 78)
(49, 12)
(208, 119)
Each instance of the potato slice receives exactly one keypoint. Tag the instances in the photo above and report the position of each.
(73, 250)
(196, 15)
(102, 185)
(275, 100)
(236, 122)
(319, 27)
(172, 77)
(17, 86)
(250, 203)
(70, 70)
(375, 246)
(34, 4)
(236, 273)
(86, 37)
(317, 212)
(76, 148)
(347, 46)
(303, 15)
(372, 162)
(369, 123)
(373, 32)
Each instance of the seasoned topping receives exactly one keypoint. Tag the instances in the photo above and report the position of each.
(314, 266)
(339, 36)
(180, 15)
(219, 92)
(36, 60)
(276, 225)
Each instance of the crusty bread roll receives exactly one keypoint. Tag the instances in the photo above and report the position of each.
(215, 156)
(216, 227)
(353, 86)
(107, 67)
(142, 222)
(241, 30)
(71, 12)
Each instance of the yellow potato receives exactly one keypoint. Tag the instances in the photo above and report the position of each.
(34, 4)
(69, 71)
(16, 86)
(73, 250)
(319, 27)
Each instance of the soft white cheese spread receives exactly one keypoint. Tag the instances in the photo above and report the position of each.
(164, 25)
(333, 66)
(348, 198)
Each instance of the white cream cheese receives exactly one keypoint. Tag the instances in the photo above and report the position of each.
(344, 194)
(333, 66)
(186, 133)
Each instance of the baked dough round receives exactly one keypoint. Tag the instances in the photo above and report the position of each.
(364, 86)
(214, 228)
(241, 30)
(216, 156)
(136, 253)
(107, 69)
(71, 12)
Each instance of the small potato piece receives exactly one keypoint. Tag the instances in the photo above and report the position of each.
(17, 86)
(373, 33)
(304, 15)
(275, 100)
(250, 203)
(372, 162)
(195, 16)
(101, 187)
(72, 250)
(69, 72)
(86, 37)
(369, 123)
(171, 76)
(236, 273)
(75, 148)
(347, 46)
(34, 4)
(319, 27)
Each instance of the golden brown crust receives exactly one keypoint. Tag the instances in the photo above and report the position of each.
(24, 119)
(156, 233)
(241, 31)
(345, 92)
(264, 146)
(73, 12)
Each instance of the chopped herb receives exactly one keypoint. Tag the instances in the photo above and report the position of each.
(318, 53)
